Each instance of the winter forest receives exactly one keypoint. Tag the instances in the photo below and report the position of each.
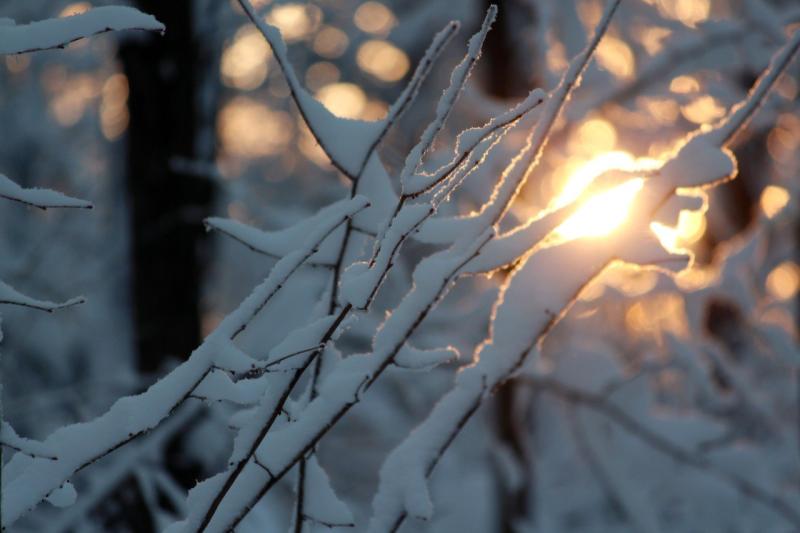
(381, 265)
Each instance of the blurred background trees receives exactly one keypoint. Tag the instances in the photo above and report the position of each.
(161, 131)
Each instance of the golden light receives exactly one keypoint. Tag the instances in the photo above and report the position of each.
(784, 139)
(773, 199)
(690, 228)
(595, 135)
(652, 38)
(616, 57)
(75, 8)
(689, 12)
(321, 74)
(590, 13)
(556, 55)
(244, 62)
(375, 18)
(296, 21)
(703, 110)
(606, 211)
(383, 60)
(345, 100)
(74, 95)
(248, 128)
(18, 63)
(684, 85)
(330, 42)
(784, 280)
(375, 110)
(114, 106)
(658, 314)
(664, 110)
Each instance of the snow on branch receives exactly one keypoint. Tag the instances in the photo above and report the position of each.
(9, 295)
(416, 359)
(519, 322)
(27, 481)
(737, 119)
(323, 505)
(599, 403)
(458, 78)
(447, 229)
(10, 439)
(279, 243)
(41, 198)
(57, 33)
(263, 456)
(348, 143)
(225, 499)
(468, 141)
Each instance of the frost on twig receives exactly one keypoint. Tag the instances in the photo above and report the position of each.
(520, 322)
(458, 79)
(445, 230)
(57, 33)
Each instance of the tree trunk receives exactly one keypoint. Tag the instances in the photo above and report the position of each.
(167, 205)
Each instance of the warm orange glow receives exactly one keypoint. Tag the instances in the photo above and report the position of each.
(321, 74)
(658, 314)
(703, 110)
(664, 110)
(247, 128)
(345, 100)
(383, 60)
(375, 18)
(594, 136)
(73, 96)
(330, 42)
(18, 63)
(75, 8)
(652, 38)
(244, 62)
(296, 21)
(616, 57)
(606, 211)
(590, 13)
(773, 199)
(556, 55)
(690, 229)
(684, 85)
(784, 280)
(689, 12)
(114, 106)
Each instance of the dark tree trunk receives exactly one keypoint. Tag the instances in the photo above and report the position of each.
(165, 75)
(510, 71)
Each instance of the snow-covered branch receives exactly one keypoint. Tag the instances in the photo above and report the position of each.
(11, 296)
(41, 198)
(57, 33)
(538, 293)
(28, 481)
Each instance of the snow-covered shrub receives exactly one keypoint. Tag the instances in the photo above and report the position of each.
(283, 397)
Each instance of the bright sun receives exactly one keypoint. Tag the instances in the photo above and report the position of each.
(606, 211)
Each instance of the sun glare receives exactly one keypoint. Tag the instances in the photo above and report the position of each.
(606, 211)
